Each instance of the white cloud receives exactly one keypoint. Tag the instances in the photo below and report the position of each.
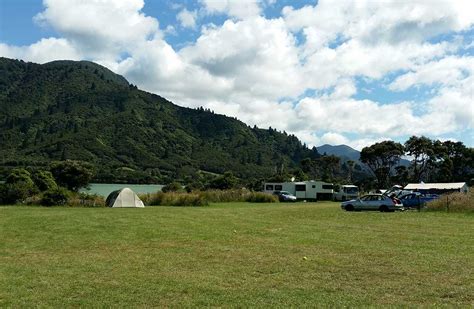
(332, 138)
(99, 28)
(375, 21)
(257, 55)
(42, 51)
(240, 9)
(187, 18)
(447, 71)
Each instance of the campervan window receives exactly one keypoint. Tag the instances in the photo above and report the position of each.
(269, 187)
(278, 187)
(351, 190)
(328, 187)
(300, 188)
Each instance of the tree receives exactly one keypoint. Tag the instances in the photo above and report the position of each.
(224, 182)
(72, 174)
(44, 180)
(330, 165)
(172, 187)
(17, 187)
(421, 149)
(381, 158)
(459, 159)
(350, 167)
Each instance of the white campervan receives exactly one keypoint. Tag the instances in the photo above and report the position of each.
(346, 192)
(303, 190)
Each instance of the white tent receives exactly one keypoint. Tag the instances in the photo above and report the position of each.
(123, 198)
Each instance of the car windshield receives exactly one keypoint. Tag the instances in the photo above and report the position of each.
(351, 190)
(285, 193)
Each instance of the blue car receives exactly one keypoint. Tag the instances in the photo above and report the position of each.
(416, 199)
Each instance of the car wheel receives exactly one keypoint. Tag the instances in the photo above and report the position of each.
(349, 208)
(383, 208)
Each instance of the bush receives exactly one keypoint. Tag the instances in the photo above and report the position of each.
(58, 196)
(260, 197)
(224, 182)
(453, 202)
(173, 199)
(205, 197)
(86, 200)
(225, 196)
(44, 180)
(72, 174)
(172, 187)
(12, 193)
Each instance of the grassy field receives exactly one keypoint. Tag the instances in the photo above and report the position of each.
(234, 255)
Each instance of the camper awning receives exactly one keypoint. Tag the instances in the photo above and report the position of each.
(436, 186)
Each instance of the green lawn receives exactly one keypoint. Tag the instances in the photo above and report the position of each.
(234, 255)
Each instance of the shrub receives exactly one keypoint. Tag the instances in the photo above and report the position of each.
(86, 200)
(453, 202)
(19, 175)
(18, 186)
(58, 196)
(224, 182)
(260, 197)
(203, 198)
(224, 196)
(173, 199)
(12, 193)
(72, 174)
(172, 187)
(44, 180)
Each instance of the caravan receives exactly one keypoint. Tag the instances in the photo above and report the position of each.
(346, 192)
(303, 190)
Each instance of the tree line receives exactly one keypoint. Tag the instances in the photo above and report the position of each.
(431, 161)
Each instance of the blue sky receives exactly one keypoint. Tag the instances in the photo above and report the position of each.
(330, 72)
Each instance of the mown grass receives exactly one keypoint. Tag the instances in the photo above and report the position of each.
(234, 255)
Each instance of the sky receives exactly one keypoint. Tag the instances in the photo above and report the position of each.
(330, 72)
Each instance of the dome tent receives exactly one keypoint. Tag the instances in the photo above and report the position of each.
(123, 198)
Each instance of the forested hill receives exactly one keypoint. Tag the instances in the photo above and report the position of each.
(81, 110)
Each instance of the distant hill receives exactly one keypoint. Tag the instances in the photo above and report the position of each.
(347, 153)
(343, 151)
(80, 110)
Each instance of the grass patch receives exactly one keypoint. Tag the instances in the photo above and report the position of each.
(234, 255)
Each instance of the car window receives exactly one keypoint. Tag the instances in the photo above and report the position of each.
(365, 198)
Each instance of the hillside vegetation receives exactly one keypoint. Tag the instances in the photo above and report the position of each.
(83, 111)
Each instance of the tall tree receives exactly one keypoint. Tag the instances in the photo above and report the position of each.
(423, 153)
(350, 166)
(72, 174)
(381, 158)
(460, 159)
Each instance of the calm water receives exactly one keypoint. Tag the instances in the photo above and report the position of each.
(104, 189)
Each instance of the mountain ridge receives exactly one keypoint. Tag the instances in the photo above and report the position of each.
(347, 153)
(83, 111)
